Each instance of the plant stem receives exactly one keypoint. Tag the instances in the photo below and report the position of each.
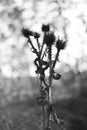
(44, 53)
(50, 87)
(55, 60)
(29, 40)
(41, 49)
(43, 109)
(43, 112)
(38, 44)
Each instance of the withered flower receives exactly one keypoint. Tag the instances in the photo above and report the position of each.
(60, 44)
(45, 28)
(49, 38)
(27, 32)
(56, 76)
(36, 35)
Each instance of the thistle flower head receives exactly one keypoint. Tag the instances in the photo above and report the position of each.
(27, 32)
(60, 44)
(49, 38)
(45, 28)
(36, 35)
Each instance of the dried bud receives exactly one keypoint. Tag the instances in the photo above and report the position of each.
(56, 76)
(49, 38)
(45, 28)
(36, 35)
(60, 44)
(27, 32)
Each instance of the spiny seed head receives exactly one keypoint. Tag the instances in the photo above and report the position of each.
(49, 38)
(60, 44)
(45, 28)
(27, 32)
(36, 35)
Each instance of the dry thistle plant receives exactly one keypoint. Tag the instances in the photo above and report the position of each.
(43, 62)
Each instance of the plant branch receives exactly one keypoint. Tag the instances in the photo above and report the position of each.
(44, 53)
(56, 58)
(41, 49)
(34, 49)
(38, 44)
(50, 87)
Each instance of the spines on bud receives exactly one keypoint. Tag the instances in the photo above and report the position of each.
(45, 28)
(49, 39)
(26, 32)
(60, 44)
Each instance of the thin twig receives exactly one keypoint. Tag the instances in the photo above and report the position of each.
(34, 49)
(44, 53)
(45, 83)
(38, 44)
(41, 49)
(56, 58)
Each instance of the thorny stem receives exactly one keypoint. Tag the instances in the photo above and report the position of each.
(43, 107)
(50, 88)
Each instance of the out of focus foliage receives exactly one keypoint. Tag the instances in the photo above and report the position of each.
(67, 18)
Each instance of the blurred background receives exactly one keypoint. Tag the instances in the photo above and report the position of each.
(18, 80)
